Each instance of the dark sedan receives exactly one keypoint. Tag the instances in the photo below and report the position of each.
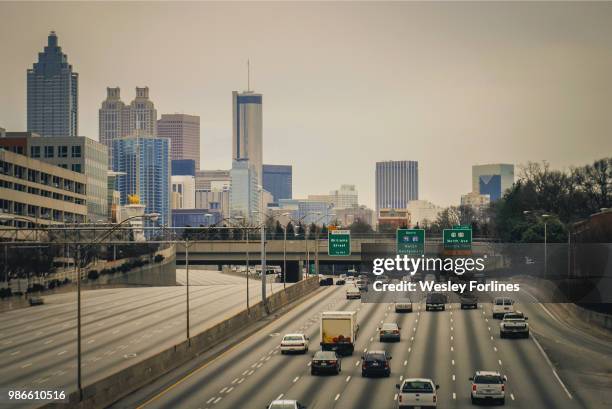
(325, 362)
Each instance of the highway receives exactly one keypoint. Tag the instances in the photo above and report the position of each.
(447, 346)
(120, 327)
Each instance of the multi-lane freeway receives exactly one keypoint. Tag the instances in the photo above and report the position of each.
(120, 327)
(447, 346)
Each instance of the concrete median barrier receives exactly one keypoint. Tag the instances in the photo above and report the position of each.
(104, 392)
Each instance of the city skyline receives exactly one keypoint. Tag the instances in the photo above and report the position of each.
(489, 107)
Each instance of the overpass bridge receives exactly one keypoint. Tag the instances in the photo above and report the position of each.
(232, 252)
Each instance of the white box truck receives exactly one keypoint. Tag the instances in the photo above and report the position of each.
(339, 331)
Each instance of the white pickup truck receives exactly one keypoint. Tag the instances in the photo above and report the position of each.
(339, 331)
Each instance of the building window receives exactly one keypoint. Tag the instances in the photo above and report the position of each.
(62, 151)
(35, 151)
(76, 151)
(48, 151)
(76, 167)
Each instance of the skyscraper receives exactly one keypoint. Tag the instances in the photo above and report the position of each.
(397, 182)
(184, 133)
(53, 91)
(277, 179)
(493, 179)
(247, 129)
(146, 163)
(118, 120)
(245, 196)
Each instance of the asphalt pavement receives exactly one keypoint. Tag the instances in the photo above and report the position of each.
(447, 346)
(120, 327)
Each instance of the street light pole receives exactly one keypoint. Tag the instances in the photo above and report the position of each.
(284, 256)
(187, 280)
(263, 265)
(545, 217)
(247, 269)
(79, 339)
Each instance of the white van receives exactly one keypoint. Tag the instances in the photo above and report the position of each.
(501, 306)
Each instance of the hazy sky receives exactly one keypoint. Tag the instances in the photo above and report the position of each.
(345, 84)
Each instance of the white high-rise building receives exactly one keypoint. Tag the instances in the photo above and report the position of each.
(245, 200)
(183, 191)
(345, 197)
(247, 140)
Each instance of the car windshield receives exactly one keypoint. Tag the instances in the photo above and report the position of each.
(293, 338)
(507, 301)
(326, 355)
(490, 379)
(499, 301)
(417, 387)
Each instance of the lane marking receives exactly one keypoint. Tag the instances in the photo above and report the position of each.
(210, 400)
(26, 365)
(512, 396)
(217, 400)
(569, 395)
(230, 389)
(453, 377)
(454, 395)
(296, 379)
(279, 396)
(337, 397)
(348, 378)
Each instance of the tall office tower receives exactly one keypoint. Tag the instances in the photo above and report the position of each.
(184, 133)
(277, 179)
(245, 199)
(142, 115)
(112, 118)
(146, 163)
(493, 179)
(247, 130)
(397, 182)
(53, 91)
(118, 120)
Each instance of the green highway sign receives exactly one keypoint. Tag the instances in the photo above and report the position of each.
(339, 243)
(458, 238)
(410, 241)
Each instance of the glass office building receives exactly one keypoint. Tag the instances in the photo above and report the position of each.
(397, 182)
(146, 163)
(492, 179)
(278, 180)
(53, 91)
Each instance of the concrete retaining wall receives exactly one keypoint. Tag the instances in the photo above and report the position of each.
(594, 317)
(108, 390)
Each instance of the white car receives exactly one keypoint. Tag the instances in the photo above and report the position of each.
(350, 280)
(489, 386)
(514, 324)
(501, 306)
(294, 343)
(417, 393)
(286, 404)
(352, 292)
(403, 306)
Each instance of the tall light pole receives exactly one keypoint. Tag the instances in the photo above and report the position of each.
(545, 217)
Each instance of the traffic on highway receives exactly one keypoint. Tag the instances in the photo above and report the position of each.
(436, 350)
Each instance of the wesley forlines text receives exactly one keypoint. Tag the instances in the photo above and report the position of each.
(429, 286)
